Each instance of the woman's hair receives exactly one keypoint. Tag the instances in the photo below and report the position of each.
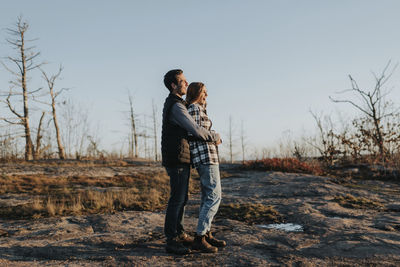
(193, 92)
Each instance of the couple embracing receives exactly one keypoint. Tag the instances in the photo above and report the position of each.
(187, 139)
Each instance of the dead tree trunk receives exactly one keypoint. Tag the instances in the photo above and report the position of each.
(145, 136)
(50, 84)
(28, 139)
(37, 150)
(242, 141)
(25, 63)
(133, 135)
(230, 139)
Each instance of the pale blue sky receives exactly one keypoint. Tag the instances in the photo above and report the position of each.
(264, 62)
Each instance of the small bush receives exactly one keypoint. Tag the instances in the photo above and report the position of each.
(283, 165)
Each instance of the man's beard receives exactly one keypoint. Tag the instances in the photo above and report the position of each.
(181, 90)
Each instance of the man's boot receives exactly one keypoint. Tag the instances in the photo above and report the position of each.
(201, 244)
(185, 239)
(175, 247)
(213, 241)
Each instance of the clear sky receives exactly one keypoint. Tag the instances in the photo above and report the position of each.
(264, 62)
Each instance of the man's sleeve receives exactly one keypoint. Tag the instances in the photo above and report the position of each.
(194, 112)
(181, 117)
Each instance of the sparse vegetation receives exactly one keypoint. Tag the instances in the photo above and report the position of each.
(88, 201)
(50, 194)
(252, 213)
(371, 136)
(283, 165)
(353, 202)
(56, 196)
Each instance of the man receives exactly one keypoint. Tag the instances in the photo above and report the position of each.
(176, 158)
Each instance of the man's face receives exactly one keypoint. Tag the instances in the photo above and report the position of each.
(180, 88)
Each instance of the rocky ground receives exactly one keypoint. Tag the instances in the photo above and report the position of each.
(332, 233)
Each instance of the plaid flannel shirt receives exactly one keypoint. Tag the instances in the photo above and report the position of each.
(202, 152)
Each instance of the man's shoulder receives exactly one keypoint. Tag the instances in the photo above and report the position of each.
(179, 111)
(174, 99)
(179, 106)
(172, 103)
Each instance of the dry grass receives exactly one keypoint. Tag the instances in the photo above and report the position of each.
(251, 213)
(50, 195)
(42, 184)
(284, 165)
(85, 162)
(82, 194)
(350, 201)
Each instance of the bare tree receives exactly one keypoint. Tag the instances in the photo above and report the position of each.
(38, 150)
(50, 84)
(242, 141)
(77, 127)
(373, 105)
(325, 142)
(230, 139)
(8, 144)
(133, 137)
(145, 137)
(25, 62)
(93, 150)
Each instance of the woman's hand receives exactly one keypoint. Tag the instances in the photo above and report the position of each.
(218, 142)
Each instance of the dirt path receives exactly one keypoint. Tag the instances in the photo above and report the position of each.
(330, 235)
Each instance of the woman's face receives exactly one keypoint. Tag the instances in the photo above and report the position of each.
(203, 96)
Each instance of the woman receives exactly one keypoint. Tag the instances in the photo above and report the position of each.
(204, 157)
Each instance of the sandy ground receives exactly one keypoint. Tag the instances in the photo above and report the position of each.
(331, 234)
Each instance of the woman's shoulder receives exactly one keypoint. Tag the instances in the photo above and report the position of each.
(194, 106)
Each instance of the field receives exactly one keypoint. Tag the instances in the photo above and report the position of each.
(110, 213)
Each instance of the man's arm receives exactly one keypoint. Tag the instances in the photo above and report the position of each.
(181, 117)
(194, 112)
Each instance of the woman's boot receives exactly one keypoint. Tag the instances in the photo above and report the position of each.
(201, 244)
(213, 241)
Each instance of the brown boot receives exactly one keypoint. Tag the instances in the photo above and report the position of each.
(201, 244)
(213, 241)
(185, 239)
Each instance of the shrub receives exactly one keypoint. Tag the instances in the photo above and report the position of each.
(283, 165)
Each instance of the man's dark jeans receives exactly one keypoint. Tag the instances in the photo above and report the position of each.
(179, 182)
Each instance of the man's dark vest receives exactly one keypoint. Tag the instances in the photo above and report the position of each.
(174, 139)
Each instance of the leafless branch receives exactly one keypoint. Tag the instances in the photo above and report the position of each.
(11, 107)
(350, 102)
(11, 122)
(8, 69)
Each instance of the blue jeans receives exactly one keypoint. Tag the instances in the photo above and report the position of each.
(210, 196)
(179, 184)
